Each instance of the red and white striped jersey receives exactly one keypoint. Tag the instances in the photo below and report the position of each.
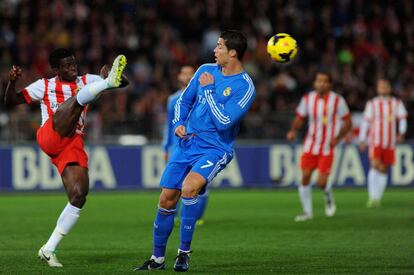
(52, 92)
(325, 115)
(382, 113)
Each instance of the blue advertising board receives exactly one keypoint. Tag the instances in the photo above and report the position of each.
(136, 167)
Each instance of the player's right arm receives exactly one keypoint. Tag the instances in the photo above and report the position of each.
(184, 104)
(11, 97)
(167, 141)
(301, 113)
(364, 127)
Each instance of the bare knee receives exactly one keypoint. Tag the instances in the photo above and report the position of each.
(379, 166)
(189, 191)
(167, 203)
(383, 169)
(76, 181)
(192, 184)
(322, 180)
(306, 177)
(78, 197)
(168, 199)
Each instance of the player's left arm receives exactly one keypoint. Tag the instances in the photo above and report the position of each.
(402, 121)
(346, 125)
(365, 125)
(11, 97)
(226, 115)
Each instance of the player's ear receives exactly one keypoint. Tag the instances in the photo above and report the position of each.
(233, 53)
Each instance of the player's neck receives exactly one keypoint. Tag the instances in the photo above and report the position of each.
(232, 68)
(60, 79)
(323, 93)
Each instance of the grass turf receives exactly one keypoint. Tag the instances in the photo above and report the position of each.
(246, 231)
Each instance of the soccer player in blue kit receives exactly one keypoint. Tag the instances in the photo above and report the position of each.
(211, 107)
(170, 139)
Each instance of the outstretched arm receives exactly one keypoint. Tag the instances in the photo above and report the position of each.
(11, 98)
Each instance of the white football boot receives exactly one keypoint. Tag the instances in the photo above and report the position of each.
(330, 206)
(49, 257)
(303, 217)
(330, 209)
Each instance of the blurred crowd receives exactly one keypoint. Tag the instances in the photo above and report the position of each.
(357, 41)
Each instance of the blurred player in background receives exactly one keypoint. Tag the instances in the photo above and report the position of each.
(63, 101)
(380, 118)
(170, 139)
(206, 119)
(328, 122)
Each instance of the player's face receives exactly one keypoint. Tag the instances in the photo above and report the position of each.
(68, 69)
(221, 53)
(322, 83)
(185, 75)
(383, 87)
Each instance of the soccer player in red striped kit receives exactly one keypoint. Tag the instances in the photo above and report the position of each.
(63, 102)
(328, 122)
(380, 117)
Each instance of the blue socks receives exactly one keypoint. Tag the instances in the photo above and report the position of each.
(192, 209)
(163, 226)
(202, 203)
(189, 211)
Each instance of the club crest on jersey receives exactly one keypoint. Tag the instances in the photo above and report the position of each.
(227, 91)
(325, 120)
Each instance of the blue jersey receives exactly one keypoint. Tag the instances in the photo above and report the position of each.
(214, 112)
(170, 139)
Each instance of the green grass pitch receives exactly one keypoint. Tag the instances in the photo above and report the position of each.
(246, 231)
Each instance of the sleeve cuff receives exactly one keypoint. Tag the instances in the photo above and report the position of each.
(346, 116)
(26, 96)
(299, 115)
(208, 87)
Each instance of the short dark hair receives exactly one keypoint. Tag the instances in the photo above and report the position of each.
(235, 40)
(58, 54)
(324, 72)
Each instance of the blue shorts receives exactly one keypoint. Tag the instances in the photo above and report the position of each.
(190, 154)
